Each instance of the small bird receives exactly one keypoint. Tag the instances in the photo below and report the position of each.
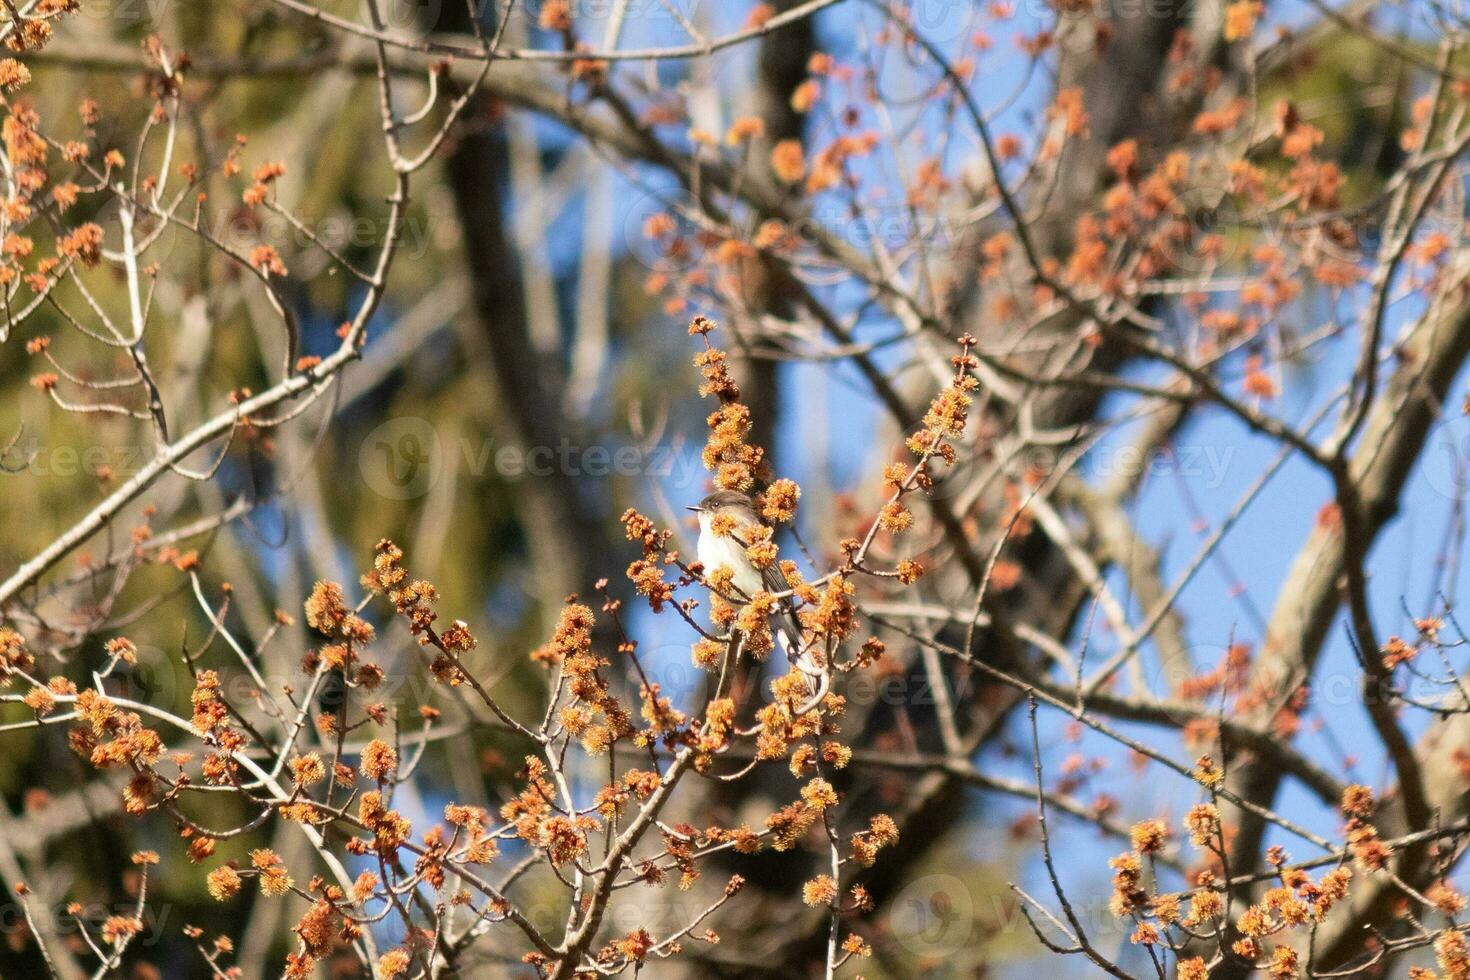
(746, 579)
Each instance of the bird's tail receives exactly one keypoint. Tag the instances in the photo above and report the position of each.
(802, 660)
(786, 625)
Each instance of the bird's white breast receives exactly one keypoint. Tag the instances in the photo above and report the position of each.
(714, 552)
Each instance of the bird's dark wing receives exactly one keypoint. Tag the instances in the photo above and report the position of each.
(785, 619)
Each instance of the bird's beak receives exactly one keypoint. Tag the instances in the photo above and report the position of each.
(697, 510)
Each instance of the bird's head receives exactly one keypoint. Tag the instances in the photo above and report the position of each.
(730, 503)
